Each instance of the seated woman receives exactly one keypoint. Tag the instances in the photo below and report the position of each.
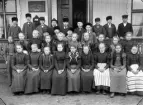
(118, 71)
(73, 71)
(46, 66)
(101, 72)
(19, 69)
(87, 66)
(135, 73)
(59, 73)
(33, 75)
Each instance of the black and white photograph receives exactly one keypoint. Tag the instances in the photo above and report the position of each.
(71, 52)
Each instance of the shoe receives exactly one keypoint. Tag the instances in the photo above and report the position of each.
(104, 92)
(112, 95)
(98, 92)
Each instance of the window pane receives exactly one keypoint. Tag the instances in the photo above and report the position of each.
(1, 26)
(10, 6)
(137, 4)
(1, 6)
(137, 18)
(9, 21)
(138, 31)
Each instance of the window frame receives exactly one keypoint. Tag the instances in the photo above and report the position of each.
(4, 13)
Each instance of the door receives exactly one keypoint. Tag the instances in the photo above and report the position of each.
(64, 10)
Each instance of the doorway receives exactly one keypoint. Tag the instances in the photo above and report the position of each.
(73, 9)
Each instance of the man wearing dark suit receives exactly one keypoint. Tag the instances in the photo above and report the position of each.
(97, 28)
(79, 30)
(124, 27)
(110, 28)
(65, 26)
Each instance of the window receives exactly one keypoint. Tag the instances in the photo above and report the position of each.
(7, 11)
(137, 17)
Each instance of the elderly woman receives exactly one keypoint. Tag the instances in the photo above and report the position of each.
(118, 71)
(46, 66)
(101, 71)
(19, 69)
(33, 75)
(135, 73)
(73, 71)
(87, 66)
(59, 73)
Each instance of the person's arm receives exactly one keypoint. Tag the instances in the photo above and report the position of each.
(131, 28)
(52, 63)
(95, 61)
(68, 61)
(128, 63)
(104, 32)
(111, 61)
(124, 60)
(115, 31)
(13, 63)
(92, 62)
(29, 63)
(119, 30)
(79, 62)
(108, 61)
(55, 61)
(25, 61)
(41, 62)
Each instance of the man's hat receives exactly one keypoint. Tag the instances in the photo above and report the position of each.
(14, 19)
(109, 18)
(54, 20)
(42, 18)
(88, 24)
(97, 19)
(65, 19)
(28, 15)
(124, 16)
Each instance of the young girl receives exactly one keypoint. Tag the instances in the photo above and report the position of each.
(9, 52)
(74, 42)
(35, 40)
(135, 73)
(48, 43)
(115, 41)
(59, 74)
(118, 71)
(128, 42)
(33, 75)
(101, 72)
(46, 66)
(87, 66)
(19, 69)
(60, 40)
(73, 72)
(23, 42)
(86, 41)
(101, 39)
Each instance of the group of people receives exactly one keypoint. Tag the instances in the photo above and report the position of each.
(60, 60)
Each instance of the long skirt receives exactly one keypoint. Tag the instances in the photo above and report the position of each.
(86, 81)
(32, 82)
(73, 81)
(18, 81)
(9, 69)
(46, 80)
(102, 78)
(118, 81)
(59, 86)
(135, 82)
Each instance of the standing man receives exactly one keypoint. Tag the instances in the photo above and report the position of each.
(110, 28)
(28, 27)
(42, 28)
(14, 30)
(65, 26)
(97, 28)
(54, 23)
(124, 27)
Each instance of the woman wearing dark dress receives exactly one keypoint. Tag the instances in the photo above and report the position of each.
(73, 71)
(33, 74)
(118, 72)
(46, 66)
(135, 73)
(19, 69)
(59, 73)
(48, 42)
(101, 72)
(87, 66)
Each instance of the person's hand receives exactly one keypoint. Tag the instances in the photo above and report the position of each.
(121, 38)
